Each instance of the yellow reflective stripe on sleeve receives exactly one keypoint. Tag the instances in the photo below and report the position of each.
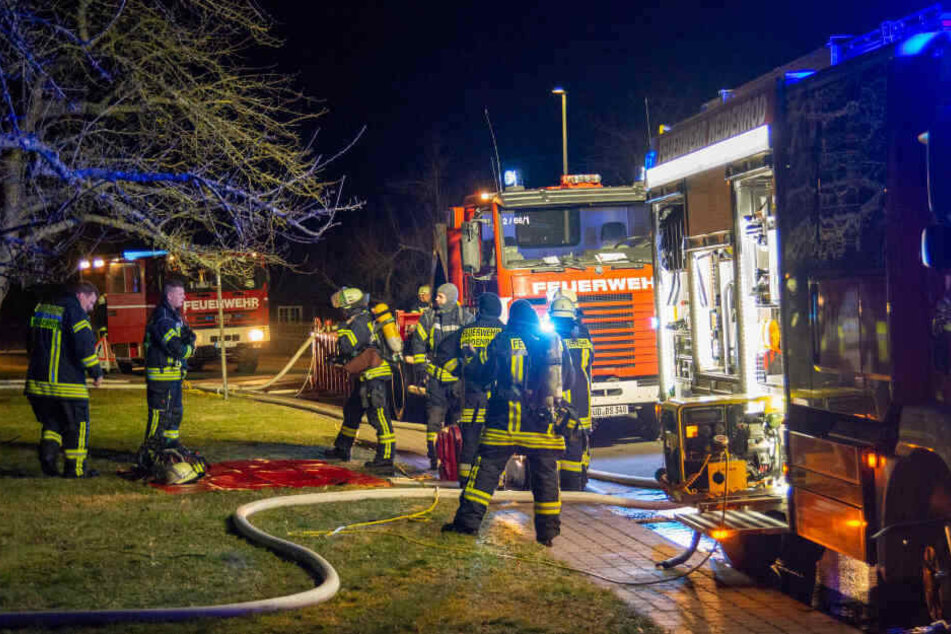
(346, 332)
(49, 434)
(91, 360)
(172, 332)
(189, 351)
(421, 331)
(60, 390)
(419, 358)
(82, 323)
(379, 372)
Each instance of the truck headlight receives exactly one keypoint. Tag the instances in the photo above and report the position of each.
(256, 335)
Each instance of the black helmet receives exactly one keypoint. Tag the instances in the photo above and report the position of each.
(490, 305)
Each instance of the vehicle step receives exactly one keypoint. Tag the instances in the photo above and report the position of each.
(733, 520)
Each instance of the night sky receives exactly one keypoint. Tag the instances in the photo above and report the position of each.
(419, 75)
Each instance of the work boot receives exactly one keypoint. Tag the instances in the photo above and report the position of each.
(88, 473)
(544, 542)
(49, 454)
(380, 466)
(452, 527)
(338, 453)
(433, 464)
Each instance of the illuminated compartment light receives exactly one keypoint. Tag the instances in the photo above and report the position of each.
(256, 335)
(856, 523)
(732, 149)
(874, 460)
(720, 534)
(692, 431)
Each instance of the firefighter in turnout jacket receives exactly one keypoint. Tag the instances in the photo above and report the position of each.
(473, 340)
(62, 353)
(169, 342)
(527, 371)
(573, 468)
(433, 354)
(359, 349)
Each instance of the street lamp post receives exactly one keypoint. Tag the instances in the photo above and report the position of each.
(564, 128)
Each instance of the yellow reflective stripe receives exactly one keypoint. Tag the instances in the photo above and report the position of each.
(348, 432)
(419, 358)
(483, 355)
(377, 373)
(547, 508)
(346, 332)
(60, 390)
(189, 351)
(515, 416)
(530, 440)
(521, 369)
(171, 434)
(153, 421)
(586, 371)
(49, 434)
(82, 323)
(451, 365)
(172, 332)
(72, 454)
(421, 331)
(387, 438)
(464, 469)
(431, 436)
(82, 435)
(91, 360)
(163, 374)
(475, 495)
(569, 465)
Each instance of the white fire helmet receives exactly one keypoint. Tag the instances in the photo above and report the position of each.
(564, 303)
(346, 297)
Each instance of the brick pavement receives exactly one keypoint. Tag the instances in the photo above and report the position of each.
(597, 539)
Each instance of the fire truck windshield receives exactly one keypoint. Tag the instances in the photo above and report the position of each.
(575, 237)
(204, 280)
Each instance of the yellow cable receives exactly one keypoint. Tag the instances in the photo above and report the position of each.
(350, 527)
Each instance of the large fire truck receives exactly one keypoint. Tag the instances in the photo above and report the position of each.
(131, 287)
(580, 235)
(816, 197)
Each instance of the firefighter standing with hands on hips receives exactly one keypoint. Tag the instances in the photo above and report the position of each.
(563, 312)
(527, 371)
(359, 349)
(433, 350)
(169, 343)
(62, 353)
(473, 340)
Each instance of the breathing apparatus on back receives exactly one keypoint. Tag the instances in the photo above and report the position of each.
(388, 331)
(544, 372)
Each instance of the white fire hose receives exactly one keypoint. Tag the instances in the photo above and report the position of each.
(328, 580)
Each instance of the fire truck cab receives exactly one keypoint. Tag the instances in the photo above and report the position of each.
(594, 240)
(131, 287)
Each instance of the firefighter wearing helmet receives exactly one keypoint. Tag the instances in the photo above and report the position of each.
(563, 312)
(473, 340)
(526, 370)
(359, 349)
(433, 348)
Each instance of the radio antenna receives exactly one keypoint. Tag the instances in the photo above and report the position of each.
(497, 166)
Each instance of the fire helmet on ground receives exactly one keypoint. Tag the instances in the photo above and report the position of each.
(181, 473)
(346, 297)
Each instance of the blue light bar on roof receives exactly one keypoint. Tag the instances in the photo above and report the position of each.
(889, 32)
(794, 76)
(135, 255)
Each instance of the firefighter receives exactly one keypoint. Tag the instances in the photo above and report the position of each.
(424, 299)
(169, 343)
(359, 348)
(573, 468)
(473, 340)
(527, 371)
(433, 348)
(62, 353)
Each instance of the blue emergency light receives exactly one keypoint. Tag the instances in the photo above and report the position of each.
(135, 255)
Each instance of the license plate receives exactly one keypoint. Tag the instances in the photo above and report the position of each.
(228, 344)
(604, 411)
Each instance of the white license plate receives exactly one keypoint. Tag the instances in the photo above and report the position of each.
(228, 344)
(604, 411)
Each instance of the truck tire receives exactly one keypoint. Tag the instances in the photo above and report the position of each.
(752, 554)
(248, 362)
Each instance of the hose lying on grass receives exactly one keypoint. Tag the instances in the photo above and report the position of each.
(328, 580)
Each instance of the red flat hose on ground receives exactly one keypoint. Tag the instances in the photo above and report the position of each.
(317, 566)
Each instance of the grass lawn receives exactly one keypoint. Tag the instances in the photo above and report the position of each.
(109, 543)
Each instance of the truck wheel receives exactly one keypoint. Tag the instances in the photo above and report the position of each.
(752, 554)
(248, 362)
(648, 427)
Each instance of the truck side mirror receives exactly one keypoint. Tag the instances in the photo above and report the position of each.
(938, 141)
(471, 245)
(936, 247)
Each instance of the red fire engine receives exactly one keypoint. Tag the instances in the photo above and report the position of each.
(131, 287)
(580, 235)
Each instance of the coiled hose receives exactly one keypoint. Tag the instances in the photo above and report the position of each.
(328, 580)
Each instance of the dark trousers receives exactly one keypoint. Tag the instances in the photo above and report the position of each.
(573, 468)
(442, 408)
(484, 478)
(65, 427)
(370, 397)
(471, 423)
(165, 412)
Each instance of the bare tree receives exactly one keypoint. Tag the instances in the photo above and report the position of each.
(141, 117)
